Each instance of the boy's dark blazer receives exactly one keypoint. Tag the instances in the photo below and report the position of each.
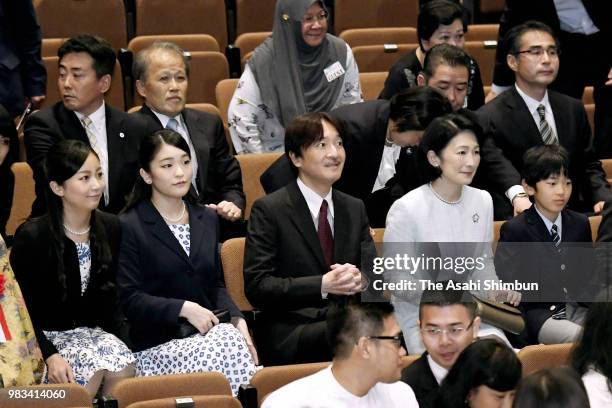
(559, 268)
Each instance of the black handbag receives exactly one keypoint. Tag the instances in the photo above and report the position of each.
(186, 329)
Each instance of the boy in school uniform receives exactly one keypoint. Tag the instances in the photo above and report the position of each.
(552, 314)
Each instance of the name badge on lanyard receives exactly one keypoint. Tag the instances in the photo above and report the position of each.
(334, 71)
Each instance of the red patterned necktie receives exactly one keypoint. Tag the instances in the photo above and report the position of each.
(325, 234)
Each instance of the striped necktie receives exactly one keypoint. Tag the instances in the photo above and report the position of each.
(93, 142)
(554, 234)
(548, 136)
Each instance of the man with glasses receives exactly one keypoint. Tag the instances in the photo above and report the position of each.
(529, 114)
(448, 324)
(367, 346)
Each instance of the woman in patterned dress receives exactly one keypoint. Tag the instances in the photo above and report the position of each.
(300, 68)
(170, 273)
(65, 263)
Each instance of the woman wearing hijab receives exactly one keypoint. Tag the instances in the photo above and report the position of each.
(299, 69)
(9, 153)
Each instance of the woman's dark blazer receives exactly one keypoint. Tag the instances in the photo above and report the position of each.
(156, 276)
(35, 268)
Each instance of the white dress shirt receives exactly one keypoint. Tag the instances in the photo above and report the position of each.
(98, 127)
(386, 170)
(574, 17)
(437, 370)
(182, 130)
(314, 202)
(532, 106)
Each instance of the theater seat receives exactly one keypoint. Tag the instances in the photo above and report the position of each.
(223, 95)
(209, 401)
(484, 53)
(380, 58)
(188, 42)
(540, 356)
(594, 220)
(254, 15)
(253, 165)
(374, 13)
(232, 259)
(590, 111)
(482, 32)
(23, 196)
(247, 43)
(50, 46)
(372, 84)
(376, 36)
(139, 389)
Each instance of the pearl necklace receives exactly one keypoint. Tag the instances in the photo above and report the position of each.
(78, 233)
(175, 220)
(439, 197)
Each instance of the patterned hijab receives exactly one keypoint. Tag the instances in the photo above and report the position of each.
(289, 72)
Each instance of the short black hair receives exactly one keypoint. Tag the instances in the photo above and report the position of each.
(438, 135)
(447, 297)
(140, 67)
(445, 54)
(305, 130)
(551, 387)
(98, 48)
(415, 108)
(541, 162)
(512, 39)
(435, 13)
(347, 323)
(487, 362)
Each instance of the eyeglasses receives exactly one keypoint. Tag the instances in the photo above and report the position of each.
(454, 332)
(538, 52)
(398, 340)
(321, 17)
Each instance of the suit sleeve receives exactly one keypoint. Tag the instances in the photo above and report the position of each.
(32, 69)
(594, 179)
(476, 98)
(39, 137)
(499, 171)
(264, 287)
(227, 169)
(24, 266)
(137, 304)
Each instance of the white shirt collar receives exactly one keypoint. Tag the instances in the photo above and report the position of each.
(532, 104)
(314, 200)
(437, 370)
(547, 221)
(97, 117)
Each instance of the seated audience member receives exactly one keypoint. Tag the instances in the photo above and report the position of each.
(592, 356)
(448, 324)
(170, 279)
(445, 209)
(446, 68)
(304, 246)
(552, 388)
(21, 363)
(162, 73)
(86, 64)
(555, 317)
(529, 114)
(300, 68)
(65, 262)
(9, 153)
(439, 22)
(484, 376)
(365, 371)
(379, 141)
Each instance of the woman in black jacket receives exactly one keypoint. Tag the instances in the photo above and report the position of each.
(65, 263)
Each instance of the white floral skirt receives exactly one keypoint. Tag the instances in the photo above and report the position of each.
(221, 349)
(89, 350)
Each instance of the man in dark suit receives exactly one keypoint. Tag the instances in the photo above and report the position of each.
(161, 72)
(448, 323)
(22, 73)
(378, 136)
(529, 114)
(304, 247)
(85, 67)
(584, 30)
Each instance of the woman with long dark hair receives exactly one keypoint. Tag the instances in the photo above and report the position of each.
(65, 263)
(170, 279)
(484, 376)
(592, 357)
(9, 153)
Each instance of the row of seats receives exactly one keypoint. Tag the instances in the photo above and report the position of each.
(211, 390)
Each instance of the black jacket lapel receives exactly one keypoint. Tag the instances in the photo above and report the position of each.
(160, 229)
